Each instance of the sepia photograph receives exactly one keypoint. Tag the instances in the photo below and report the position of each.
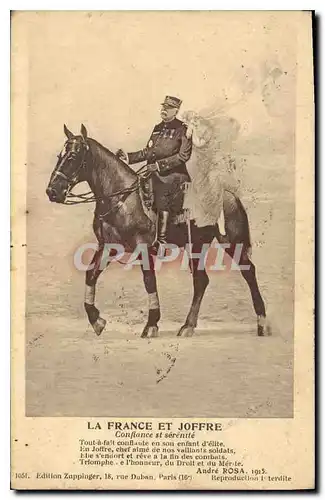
(158, 222)
(151, 142)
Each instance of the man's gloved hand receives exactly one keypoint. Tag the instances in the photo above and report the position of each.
(149, 169)
(153, 167)
(120, 153)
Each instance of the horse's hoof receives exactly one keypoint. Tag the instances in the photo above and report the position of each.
(99, 325)
(260, 331)
(263, 327)
(150, 332)
(186, 331)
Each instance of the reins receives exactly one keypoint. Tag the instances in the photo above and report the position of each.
(89, 197)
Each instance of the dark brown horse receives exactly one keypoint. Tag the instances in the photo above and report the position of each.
(121, 219)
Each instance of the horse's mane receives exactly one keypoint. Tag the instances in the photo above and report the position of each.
(106, 158)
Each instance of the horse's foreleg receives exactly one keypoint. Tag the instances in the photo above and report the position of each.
(150, 283)
(95, 269)
(249, 276)
(200, 282)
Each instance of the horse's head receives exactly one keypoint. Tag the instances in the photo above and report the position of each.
(71, 166)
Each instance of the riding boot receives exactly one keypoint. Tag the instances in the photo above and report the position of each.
(162, 226)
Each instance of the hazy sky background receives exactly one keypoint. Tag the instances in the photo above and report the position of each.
(111, 71)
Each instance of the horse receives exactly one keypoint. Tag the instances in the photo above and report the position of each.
(121, 218)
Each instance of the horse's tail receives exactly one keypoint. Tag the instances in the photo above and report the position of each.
(236, 222)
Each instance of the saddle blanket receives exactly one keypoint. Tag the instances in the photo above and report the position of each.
(203, 196)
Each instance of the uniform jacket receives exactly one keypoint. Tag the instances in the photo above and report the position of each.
(168, 147)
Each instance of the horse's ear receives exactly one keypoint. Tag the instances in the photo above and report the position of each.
(83, 132)
(67, 132)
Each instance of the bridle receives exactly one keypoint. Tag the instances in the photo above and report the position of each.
(71, 198)
(89, 197)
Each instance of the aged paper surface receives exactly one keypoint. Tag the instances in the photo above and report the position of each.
(216, 408)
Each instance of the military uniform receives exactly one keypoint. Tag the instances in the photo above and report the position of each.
(166, 153)
(169, 148)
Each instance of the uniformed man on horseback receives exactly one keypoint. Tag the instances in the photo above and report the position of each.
(166, 153)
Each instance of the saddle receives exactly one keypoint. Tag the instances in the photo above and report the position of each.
(147, 196)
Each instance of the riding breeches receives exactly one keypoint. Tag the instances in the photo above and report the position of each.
(169, 192)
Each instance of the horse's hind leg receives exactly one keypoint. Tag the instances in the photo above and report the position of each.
(248, 272)
(237, 228)
(200, 282)
(150, 283)
(95, 269)
(250, 277)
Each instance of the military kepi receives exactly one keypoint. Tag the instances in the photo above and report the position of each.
(171, 102)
